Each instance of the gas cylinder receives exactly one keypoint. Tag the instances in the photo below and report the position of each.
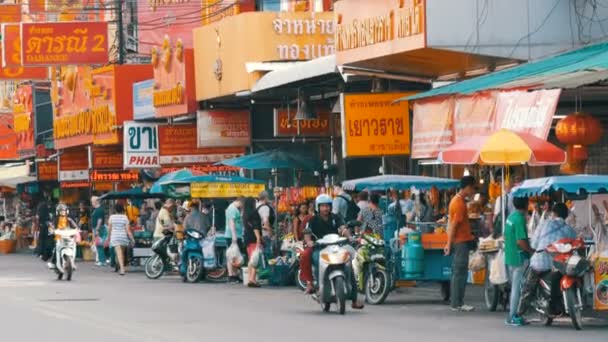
(413, 257)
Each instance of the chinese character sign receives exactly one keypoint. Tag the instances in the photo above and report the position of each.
(64, 43)
(140, 145)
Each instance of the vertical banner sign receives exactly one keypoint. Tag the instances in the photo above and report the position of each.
(375, 125)
(10, 50)
(223, 128)
(64, 43)
(23, 123)
(140, 145)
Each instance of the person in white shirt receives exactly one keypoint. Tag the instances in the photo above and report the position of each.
(362, 200)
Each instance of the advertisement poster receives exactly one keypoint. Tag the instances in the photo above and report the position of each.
(143, 107)
(601, 284)
(375, 125)
(140, 143)
(223, 128)
(64, 43)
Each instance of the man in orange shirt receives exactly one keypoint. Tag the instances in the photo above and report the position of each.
(460, 241)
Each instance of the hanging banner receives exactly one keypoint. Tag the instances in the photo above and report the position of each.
(527, 111)
(143, 106)
(47, 171)
(432, 127)
(140, 143)
(10, 13)
(375, 125)
(474, 115)
(64, 43)
(223, 128)
(225, 190)
(285, 124)
(23, 123)
(178, 147)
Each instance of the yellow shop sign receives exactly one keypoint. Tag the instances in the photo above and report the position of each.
(98, 120)
(169, 97)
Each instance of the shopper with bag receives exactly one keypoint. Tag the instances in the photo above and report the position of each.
(517, 253)
(252, 235)
(234, 233)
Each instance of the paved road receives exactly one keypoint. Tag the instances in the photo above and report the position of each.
(98, 305)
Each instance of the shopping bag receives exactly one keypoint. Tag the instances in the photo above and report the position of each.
(234, 256)
(498, 269)
(209, 259)
(477, 262)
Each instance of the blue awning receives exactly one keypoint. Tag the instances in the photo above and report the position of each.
(577, 184)
(567, 70)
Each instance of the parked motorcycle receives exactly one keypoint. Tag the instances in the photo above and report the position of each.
(162, 260)
(373, 279)
(559, 293)
(191, 268)
(65, 253)
(334, 273)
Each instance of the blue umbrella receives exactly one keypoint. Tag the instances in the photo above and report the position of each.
(275, 159)
(157, 187)
(399, 182)
(576, 184)
(135, 193)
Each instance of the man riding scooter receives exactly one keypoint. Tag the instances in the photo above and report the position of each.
(320, 225)
(63, 222)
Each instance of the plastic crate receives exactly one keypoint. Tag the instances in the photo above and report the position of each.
(280, 275)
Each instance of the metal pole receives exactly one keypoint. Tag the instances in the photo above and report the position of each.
(503, 199)
(383, 165)
(120, 32)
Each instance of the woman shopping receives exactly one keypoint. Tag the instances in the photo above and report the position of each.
(300, 220)
(252, 236)
(120, 235)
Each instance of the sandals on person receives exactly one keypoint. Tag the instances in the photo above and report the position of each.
(254, 285)
(357, 306)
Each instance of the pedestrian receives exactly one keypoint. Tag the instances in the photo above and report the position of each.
(517, 252)
(371, 216)
(45, 241)
(120, 235)
(164, 219)
(234, 233)
(460, 242)
(362, 200)
(343, 204)
(267, 213)
(99, 230)
(195, 219)
(300, 221)
(311, 208)
(252, 236)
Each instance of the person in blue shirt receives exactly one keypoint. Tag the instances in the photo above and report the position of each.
(541, 262)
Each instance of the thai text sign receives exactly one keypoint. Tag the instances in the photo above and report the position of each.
(122, 176)
(64, 43)
(375, 125)
(10, 13)
(47, 171)
(140, 145)
(527, 112)
(223, 128)
(285, 124)
(143, 107)
(225, 190)
(10, 50)
(107, 157)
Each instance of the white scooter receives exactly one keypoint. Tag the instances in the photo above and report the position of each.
(335, 273)
(65, 253)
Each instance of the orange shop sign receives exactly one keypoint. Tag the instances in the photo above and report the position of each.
(285, 124)
(120, 176)
(47, 171)
(10, 13)
(375, 125)
(10, 50)
(64, 43)
(174, 92)
(223, 128)
(23, 122)
(107, 157)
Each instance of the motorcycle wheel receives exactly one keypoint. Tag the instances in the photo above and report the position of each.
(194, 270)
(300, 283)
(376, 286)
(491, 294)
(340, 294)
(67, 266)
(154, 267)
(574, 310)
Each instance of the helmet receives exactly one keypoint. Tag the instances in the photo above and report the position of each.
(61, 207)
(323, 199)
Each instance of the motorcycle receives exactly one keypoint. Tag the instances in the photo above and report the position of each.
(293, 249)
(191, 268)
(162, 261)
(65, 253)
(559, 293)
(373, 279)
(334, 273)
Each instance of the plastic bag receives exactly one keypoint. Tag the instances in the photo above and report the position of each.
(256, 258)
(209, 259)
(234, 256)
(477, 262)
(498, 269)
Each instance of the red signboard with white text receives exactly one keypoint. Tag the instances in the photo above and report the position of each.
(527, 112)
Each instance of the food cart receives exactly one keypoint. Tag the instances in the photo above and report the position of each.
(589, 193)
(417, 255)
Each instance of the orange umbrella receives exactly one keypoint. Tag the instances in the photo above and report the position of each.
(504, 147)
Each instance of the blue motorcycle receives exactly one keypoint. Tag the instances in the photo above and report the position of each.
(191, 268)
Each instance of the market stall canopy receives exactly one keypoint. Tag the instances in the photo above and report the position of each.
(275, 159)
(12, 175)
(157, 187)
(135, 193)
(214, 187)
(568, 70)
(216, 179)
(576, 184)
(399, 182)
(503, 147)
(301, 71)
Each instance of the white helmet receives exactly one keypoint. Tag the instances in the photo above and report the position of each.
(323, 199)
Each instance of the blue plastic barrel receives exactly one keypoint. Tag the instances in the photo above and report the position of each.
(413, 257)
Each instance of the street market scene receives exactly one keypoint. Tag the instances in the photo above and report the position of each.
(260, 170)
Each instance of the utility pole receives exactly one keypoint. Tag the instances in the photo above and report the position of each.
(120, 32)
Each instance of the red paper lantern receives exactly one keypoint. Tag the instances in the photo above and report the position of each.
(579, 129)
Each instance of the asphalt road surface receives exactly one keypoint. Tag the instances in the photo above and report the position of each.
(100, 306)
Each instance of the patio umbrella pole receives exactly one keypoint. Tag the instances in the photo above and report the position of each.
(503, 199)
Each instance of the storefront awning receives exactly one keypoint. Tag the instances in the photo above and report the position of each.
(568, 70)
(301, 71)
(12, 175)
